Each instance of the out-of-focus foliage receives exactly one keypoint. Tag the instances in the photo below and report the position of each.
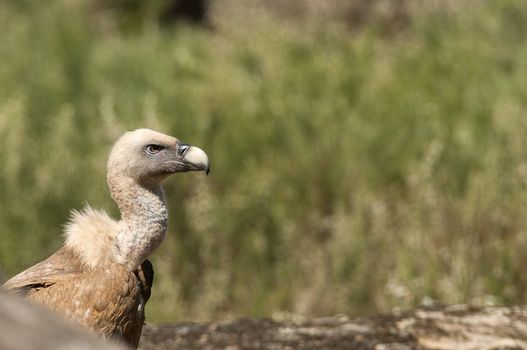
(352, 171)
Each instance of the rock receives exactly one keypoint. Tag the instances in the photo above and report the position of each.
(439, 327)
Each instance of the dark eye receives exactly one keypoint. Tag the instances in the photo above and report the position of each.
(153, 149)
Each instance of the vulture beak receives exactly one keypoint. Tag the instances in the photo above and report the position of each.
(195, 157)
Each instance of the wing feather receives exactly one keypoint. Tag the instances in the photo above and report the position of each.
(61, 265)
(145, 276)
(104, 299)
(109, 299)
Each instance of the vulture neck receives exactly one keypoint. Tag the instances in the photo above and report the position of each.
(144, 219)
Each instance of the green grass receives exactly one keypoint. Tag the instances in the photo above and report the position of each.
(352, 172)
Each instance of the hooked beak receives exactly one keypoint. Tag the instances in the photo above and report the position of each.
(194, 157)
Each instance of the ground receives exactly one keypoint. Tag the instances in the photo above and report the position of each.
(438, 327)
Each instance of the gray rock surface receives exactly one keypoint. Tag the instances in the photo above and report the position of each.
(442, 327)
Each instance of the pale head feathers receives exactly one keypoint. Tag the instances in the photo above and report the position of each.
(148, 156)
(129, 157)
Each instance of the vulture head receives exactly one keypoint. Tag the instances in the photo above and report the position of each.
(148, 156)
(138, 162)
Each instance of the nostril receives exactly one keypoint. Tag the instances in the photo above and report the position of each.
(182, 149)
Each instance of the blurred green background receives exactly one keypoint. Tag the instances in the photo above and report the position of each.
(365, 155)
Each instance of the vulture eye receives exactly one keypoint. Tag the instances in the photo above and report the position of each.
(153, 149)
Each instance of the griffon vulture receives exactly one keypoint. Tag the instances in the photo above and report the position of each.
(101, 277)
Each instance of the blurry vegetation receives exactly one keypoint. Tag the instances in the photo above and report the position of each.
(130, 15)
(358, 165)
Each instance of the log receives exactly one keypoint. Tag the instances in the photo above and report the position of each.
(24, 326)
(460, 327)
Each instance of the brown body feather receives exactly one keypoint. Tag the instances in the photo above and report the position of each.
(109, 299)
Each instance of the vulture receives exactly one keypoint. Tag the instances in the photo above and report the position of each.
(101, 277)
